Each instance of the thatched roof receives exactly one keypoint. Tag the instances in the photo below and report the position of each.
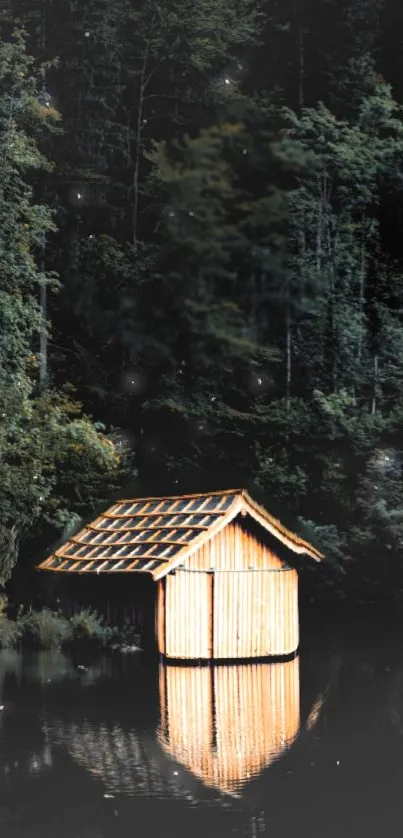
(155, 535)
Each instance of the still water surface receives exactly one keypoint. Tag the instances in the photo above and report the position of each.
(129, 747)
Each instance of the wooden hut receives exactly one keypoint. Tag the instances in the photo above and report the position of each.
(227, 585)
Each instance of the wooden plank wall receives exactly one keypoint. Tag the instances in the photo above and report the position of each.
(233, 549)
(228, 723)
(254, 612)
(187, 616)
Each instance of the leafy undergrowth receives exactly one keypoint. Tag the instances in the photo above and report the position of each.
(47, 629)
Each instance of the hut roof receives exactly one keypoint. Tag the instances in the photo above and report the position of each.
(155, 535)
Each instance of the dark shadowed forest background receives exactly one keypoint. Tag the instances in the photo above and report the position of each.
(201, 269)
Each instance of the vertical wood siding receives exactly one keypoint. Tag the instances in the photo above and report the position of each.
(160, 616)
(228, 723)
(187, 612)
(255, 614)
(233, 549)
(233, 599)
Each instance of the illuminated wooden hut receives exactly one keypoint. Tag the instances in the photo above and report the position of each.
(226, 724)
(227, 585)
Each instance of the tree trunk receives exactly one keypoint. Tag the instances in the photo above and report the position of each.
(43, 291)
(140, 110)
(319, 237)
(374, 386)
(43, 340)
(253, 331)
(361, 292)
(301, 57)
(138, 149)
(288, 357)
(331, 336)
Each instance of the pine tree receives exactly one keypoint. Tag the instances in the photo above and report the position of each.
(226, 190)
(125, 76)
(35, 435)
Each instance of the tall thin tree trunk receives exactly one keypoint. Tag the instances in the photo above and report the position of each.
(288, 357)
(140, 111)
(137, 158)
(43, 336)
(331, 348)
(301, 57)
(375, 386)
(43, 294)
(319, 237)
(361, 292)
(253, 317)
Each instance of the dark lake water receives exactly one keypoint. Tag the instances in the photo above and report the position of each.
(129, 747)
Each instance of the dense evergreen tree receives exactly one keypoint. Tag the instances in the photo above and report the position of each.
(40, 434)
(226, 193)
(226, 236)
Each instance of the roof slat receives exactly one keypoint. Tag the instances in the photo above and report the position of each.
(154, 535)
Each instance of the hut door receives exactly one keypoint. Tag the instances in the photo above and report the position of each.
(188, 615)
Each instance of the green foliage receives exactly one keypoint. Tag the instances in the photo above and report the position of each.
(10, 633)
(46, 629)
(88, 625)
(52, 462)
(246, 259)
(225, 208)
(51, 457)
(10, 630)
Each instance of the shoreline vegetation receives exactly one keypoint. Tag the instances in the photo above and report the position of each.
(47, 629)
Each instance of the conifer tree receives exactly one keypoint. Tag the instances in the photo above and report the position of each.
(226, 190)
(38, 434)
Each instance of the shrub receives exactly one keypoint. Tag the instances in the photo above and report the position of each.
(88, 625)
(130, 636)
(10, 632)
(47, 629)
(3, 605)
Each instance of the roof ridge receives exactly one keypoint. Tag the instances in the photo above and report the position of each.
(281, 528)
(179, 497)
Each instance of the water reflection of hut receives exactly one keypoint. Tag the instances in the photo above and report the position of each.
(221, 726)
(226, 584)
(227, 723)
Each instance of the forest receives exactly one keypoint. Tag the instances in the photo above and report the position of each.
(201, 270)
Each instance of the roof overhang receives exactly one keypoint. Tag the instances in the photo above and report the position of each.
(273, 526)
(224, 509)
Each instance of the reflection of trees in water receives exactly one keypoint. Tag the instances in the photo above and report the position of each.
(217, 726)
(10, 667)
(27, 683)
(120, 758)
(22, 749)
(221, 726)
(344, 765)
(56, 667)
(224, 725)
